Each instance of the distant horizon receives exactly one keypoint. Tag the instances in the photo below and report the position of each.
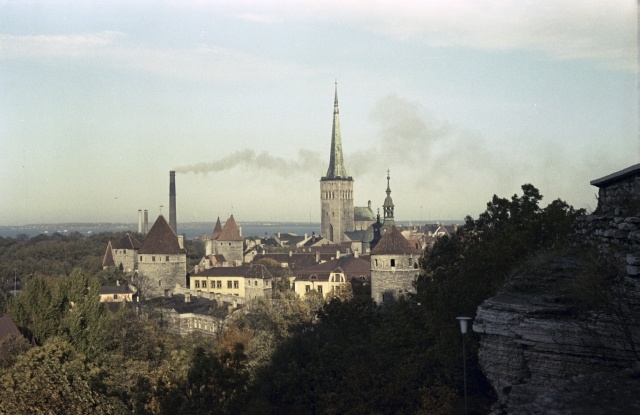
(240, 222)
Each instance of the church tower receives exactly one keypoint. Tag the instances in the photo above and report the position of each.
(336, 188)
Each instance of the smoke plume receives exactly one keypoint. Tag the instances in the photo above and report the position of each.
(307, 161)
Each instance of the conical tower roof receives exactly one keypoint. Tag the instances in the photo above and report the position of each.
(336, 170)
(393, 243)
(216, 230)
(161, 239)
(107, 260)
(230, 231)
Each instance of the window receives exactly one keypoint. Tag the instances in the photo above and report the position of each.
(256, 284)
(235, 284)
(197, 284)
(124, 252)
(307, 288)
(140, 258)
(153, 258)
(228, 284)
(204, 284)
(219, 284)
(115, 296)
(166, 258)
(320, 289)
(393, 262)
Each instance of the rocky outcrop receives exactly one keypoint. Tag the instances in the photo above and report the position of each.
(564, 323)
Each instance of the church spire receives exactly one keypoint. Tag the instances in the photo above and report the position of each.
(388, 205)
(336, 163)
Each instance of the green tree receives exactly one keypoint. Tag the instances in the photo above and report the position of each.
(53, 379)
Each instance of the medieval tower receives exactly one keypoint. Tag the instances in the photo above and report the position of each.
(336, 188)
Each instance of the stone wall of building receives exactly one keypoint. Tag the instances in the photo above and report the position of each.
(232, 250)
(158, 273)
(127, 257)
(337, 210)
(390, 282)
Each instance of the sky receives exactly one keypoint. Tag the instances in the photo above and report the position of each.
(458, 99)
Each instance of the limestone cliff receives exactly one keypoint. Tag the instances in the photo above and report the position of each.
(567, 319)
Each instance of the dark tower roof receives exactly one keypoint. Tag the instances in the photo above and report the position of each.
(393, 243)
(107, 260)
(217, 230)
(336, 170)
(161, 239)
(127, 242)
(230, 231)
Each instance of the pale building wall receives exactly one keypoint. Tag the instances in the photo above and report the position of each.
(336, 280)
(234, 286)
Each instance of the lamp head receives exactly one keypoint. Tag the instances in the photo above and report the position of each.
(463, 324)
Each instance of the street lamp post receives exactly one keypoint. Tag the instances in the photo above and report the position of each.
(463, 329)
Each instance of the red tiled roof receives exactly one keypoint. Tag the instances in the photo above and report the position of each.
(127, 242)
(107, 260)
(230, 231)
(216, 230)
(393, 243)
(161, 239)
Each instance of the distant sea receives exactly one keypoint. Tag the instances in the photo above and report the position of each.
(191, 230)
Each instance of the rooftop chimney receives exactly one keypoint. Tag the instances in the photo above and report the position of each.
(172, 202)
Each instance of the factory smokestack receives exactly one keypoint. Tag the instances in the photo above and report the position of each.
(139, 220)
(172, 202)
(146, 221)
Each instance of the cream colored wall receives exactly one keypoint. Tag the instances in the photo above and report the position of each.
(335, 280)
(196, 284)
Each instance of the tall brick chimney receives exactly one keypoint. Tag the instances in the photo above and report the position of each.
(172, 201)
(146, 222)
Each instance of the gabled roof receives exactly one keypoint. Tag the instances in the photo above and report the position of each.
(350, 266)
(230, 231)
(393, 243)
(8, 327)
(107, 260)
(127, 242)
(161, 240)
(116, 289)
(216, 230)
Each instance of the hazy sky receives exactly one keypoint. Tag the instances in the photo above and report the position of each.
(461, 100)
